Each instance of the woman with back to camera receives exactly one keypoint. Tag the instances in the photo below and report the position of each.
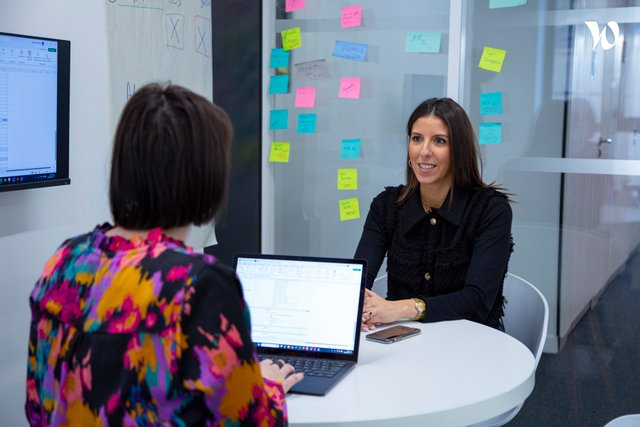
(446, 234)
(129, 325)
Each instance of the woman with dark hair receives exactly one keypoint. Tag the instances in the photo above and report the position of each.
(129, 325)
(446, 234)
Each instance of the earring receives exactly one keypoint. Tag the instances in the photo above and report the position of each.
(410, 165)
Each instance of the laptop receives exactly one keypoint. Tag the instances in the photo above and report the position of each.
(306, 311)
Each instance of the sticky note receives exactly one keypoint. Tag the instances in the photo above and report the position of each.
(291, 38)
(349, 209)
(490, 133)
(306, 97)
(496, 4)
(279, 58)
(279, 119)
(348, 179)
(352, 51)
(349, 87)
(279, 152)
(490, 103)
(279, 84)
(292, 5)
(351, 17)
(307, 123)
(423, 42)
(350, 149)
(312, 69)
(492, 59)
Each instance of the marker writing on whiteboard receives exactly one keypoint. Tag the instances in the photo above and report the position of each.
(131, 88)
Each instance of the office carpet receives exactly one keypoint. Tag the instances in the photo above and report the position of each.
(596, 376)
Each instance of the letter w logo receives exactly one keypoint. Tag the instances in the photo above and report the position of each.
(601, 36)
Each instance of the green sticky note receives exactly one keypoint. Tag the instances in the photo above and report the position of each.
(279, 152)
(279, 119)
(306, 123)
(490, 103)
(291, 38)
(492, 59)
(423, 42)
(349, 209)
(279, 58)
(497, 4)
(348, 179)
(279, 84)
(490, 133)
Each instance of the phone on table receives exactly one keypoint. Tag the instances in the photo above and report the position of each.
(393, 334)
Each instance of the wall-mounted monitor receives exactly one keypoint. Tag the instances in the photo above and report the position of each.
(34, 112)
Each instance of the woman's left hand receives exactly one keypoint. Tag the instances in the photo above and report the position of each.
(378, 310)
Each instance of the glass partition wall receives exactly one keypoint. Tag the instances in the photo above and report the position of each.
(549, 87)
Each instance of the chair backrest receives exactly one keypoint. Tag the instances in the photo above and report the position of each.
(526, 314)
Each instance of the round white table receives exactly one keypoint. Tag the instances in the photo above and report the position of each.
(454, 373)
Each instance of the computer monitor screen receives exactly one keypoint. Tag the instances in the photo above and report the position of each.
(34, 112)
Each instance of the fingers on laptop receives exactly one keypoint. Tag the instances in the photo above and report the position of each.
(280, 372)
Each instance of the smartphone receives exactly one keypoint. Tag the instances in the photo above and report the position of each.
(393, 334)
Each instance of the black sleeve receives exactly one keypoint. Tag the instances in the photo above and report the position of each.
(373, 245)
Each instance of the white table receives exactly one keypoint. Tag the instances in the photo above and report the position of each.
(454, 373)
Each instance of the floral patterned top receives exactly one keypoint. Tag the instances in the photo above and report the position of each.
(143, 332)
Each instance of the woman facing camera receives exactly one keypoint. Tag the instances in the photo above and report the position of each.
(446, 234)
(129, 325)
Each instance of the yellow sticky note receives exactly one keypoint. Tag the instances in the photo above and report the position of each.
(348, 179)
(492, 59)
(279, 152)
(349, 209)
(291, 38)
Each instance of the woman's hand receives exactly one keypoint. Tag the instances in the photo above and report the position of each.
(378, 310)
(280, 372)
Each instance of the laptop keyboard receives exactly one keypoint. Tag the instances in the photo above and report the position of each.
(311, 367)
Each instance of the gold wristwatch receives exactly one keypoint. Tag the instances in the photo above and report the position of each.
(420, 308)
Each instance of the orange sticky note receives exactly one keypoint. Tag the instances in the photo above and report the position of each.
(351, 17)
(349, 87)
(292, 5)
(306, 97)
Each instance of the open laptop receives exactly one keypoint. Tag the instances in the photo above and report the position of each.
(306, 311)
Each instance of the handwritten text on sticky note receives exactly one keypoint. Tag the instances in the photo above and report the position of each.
(349, 87)
(350, 149)
(349, 209)
(352, 51)
(278, 119)
(279, 58)
(305, 97)
(291, 38)
(348, 179)
(293, 5)
(312, 69)
(351, 17)
(490, 133)
(423, 42)
(490, 103)
(307, 123)
(492, 59)
(279, 84)
(279, 152)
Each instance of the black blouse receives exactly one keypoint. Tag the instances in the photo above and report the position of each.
(454, 258)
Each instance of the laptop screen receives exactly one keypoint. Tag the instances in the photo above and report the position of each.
(302, 303)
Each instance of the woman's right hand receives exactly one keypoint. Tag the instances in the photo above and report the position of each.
(280, 372)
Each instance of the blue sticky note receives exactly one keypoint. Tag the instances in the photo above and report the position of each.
(490, 133)
(348, 50)
(497, 4)
(350, 149)
(279, 58)
(306, 123)
(279, 84)
(490, 103)
(423, 42)
(279, 119)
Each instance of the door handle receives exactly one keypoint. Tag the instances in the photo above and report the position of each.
(605, 141)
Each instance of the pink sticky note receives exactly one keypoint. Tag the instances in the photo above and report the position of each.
(306, 97)
(351, 16)
(350, 87)
(292, 5)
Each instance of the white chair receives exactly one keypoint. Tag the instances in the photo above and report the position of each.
(632, 420)
(526, 316)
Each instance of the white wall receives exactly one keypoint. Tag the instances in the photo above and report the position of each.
(34, 222)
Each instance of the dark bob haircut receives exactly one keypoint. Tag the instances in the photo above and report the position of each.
(170, 159)
(465, 158)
